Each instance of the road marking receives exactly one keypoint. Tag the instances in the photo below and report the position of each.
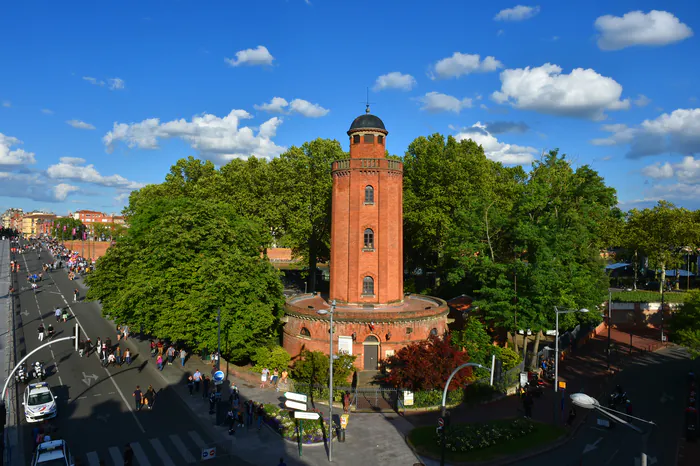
(97, 394)
(162, 454)
(82, 397)
(613, 456)
(140, 454)
(182, 449)
(59, 379)
(197, 439)
(87, 378)
(592, 446)
(93, 459)
(116, 455)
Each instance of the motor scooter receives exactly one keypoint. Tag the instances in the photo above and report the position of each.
(39, 372)
(21, 376)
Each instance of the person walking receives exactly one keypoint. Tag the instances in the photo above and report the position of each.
(190, 384)
(41, 331)
(261, 415)
(159, 362)
(183, 356)
(125, 332)
(88, 346)
(275, 379)
(58, 313)
(138, 398)
(150, 397)
(263, 377)
(171, 354)
(65, 316)
(127, 356)
(205, 386)
(75, 295)
(118, 355)
(197, 376)
(98, 346)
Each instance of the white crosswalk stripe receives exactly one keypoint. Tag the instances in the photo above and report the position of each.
(197, 439)
(140, 454)
(182, 449)
(93, 459)
(162, 454)
(116, 455)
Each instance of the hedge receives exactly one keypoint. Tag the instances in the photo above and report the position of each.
(649, 297)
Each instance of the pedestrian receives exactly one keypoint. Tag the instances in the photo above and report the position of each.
(240, 418)
(572, 416)
(250, 410)
(58, 313)
(65, 315)
(183, 356)
(275, 378)
(75, 295)
(103, 358)
(98, 345)
(232, 392)
(150, 397)
(153, 348)
(263, 377)
(118, 355)
(212, 402)
(159, 345)
(231, 420)
(285, 374)
(111, 359)
(346, 402)
(119, 333)
(159, 362)
(197, 376)
(88, 346)
(81, 347)
(171, 355)
(190, 384)
(41, 331)
(128, 455)
(125, 332)
(127, 356)
(282, 463)
(260, 414)
(108, 344)
(205, 386)
(138, 397)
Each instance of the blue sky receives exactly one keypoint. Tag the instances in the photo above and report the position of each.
(97, 99)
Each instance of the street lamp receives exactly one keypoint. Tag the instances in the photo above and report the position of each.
(588, 402)
(218, 338)
(323, 312)
(556, 342)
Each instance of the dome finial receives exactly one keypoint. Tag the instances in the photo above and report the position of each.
(367, 102)
(367, 109)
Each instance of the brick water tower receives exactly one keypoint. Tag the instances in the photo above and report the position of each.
(373, 318)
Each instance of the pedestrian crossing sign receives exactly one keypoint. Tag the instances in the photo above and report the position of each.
(208, 453)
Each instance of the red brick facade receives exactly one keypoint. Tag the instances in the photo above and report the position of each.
(372, 318)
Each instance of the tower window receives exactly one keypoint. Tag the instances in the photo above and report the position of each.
(380, 139)
(369, 195)
(368, 286)
(369, 138)
(304, 333)
(369, 239)
(356, 139)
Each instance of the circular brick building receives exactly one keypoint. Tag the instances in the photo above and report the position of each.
(373, 318)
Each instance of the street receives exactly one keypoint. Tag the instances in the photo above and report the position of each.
(96, 413)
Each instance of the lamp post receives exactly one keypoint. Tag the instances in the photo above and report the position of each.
(588, 402)
(218, 338)
(330, 378)
(556, 342)
(609, 323)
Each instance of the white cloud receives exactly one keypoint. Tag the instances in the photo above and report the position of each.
(71, 168)
(518, 13)
(33, 186)
(435, 102)
(47, 111)
(80, 124)
(307, 109)
(122, 198)
(508, 154)
(582, 93)
(116, 84)
(642, 100)
(395, 80)
(677, 132)
(257, 56)
(94, 81)
(276, 105)
(655, 28)
(62, 190)
(658, 171)
(220, 139)
(7, 104)
(14, 157)
(460, 64)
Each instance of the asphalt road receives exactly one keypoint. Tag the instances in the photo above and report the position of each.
(96, 413)
(657, 386)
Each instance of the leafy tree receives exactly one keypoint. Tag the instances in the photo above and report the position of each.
(109, 230)
(685, 325)
(272, 358)
(63, 228)
(477, 343)
(426, 365)
(313, 367)
(181, 260)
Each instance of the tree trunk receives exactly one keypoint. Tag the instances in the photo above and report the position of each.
(662, 282)
(533, 359)
(524, 347)
(515, 341)
(312, 265)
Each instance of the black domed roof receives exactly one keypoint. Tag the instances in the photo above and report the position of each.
(367, 121)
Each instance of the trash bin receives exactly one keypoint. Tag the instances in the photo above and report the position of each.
(341, 435)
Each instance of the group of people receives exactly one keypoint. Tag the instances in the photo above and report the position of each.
(144, 400)
(275, 379)
(166, 354)
(108, 354)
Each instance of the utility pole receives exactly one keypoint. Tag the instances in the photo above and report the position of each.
(218, 338)
(662, 313)
(609, 323)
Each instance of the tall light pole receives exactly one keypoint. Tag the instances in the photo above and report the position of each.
(609, 323)
(218, 338)
(556, 343)
(330, 379)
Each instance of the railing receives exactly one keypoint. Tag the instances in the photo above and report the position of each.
(368, 164)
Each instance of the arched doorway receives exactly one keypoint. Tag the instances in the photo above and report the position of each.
(371, 352)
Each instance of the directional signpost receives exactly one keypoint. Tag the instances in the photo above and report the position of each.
(297, 401)
(303, 415)
(219, 377)
(295, 405)
(296, 397)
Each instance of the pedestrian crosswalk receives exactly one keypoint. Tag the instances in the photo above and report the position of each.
(171, 450)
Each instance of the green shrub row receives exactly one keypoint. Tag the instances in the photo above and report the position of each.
(649, 297)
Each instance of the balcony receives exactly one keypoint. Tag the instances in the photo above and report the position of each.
(368, 164)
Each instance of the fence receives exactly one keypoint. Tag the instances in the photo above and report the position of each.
(566, 340)
(362, 399)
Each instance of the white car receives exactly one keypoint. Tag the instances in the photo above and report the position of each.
(39, 403)
(53, 453)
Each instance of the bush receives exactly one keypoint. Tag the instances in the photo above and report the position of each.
(313, 368)
(470, 437)
(472, 393)
(272, 358)
(283, 422)
(509, 357)
(649, 297)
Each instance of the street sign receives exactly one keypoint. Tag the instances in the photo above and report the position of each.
(219, 377)
(441, 422)
(303, 415)
(407, 398)
(344, 418)
(295, 405)
(295, 397)
(208, 453)
(562, 385)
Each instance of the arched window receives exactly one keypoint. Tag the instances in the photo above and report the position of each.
(433, 332)
(369, 195)
(304, 333)
(368, 286)
(369, 239)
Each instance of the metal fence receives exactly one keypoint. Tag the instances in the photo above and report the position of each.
(362, 399)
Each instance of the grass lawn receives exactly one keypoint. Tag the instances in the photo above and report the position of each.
(423, 440)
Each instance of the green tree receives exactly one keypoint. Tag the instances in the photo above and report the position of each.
(685, 325)
(181, 260)
(272, 358)
(63, 228)
(313, 368)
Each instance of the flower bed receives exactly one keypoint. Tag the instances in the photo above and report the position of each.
(470, 437)
(283, 422)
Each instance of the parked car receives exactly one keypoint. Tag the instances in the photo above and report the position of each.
(52, 453)
(39, 402)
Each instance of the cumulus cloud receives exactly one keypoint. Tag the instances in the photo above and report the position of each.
(220, 139)
(93, 81)
(13, 157)
(518, 13)
(655, 28)
(395, 80)
(252, 57)
(460, 64)
(677, 132)
(276, 105)
(435, 102)
(73, 168)
(80, 124)
(307, 109)
(500, 127)
(62, 190)
(33, 186)
(508, 154)
(583, 93)
(642, 100)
